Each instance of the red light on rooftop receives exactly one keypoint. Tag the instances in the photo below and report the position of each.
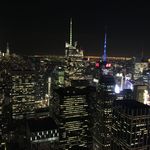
(108, 65)
(97, 65)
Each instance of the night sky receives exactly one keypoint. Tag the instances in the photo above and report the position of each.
(42, 27)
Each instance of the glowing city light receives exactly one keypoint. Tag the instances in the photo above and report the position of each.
(95, 80)
(146, 97)
(108, 65)
(119, 75)
(97, 65)
(117, 89)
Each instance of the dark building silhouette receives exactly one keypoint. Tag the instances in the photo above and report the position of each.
(43, 134)
(73, 117)
(130, 125)
(102, 112)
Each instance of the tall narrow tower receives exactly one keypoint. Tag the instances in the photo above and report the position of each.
(105, 47)
(71, 32)
(74, 60)
(7, 49)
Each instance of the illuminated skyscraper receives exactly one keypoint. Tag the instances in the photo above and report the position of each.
(139, 68)
(23, 93)
(74, 64)
(105, 48)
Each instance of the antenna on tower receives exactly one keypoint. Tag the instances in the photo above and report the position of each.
(70, 31)
(105, 47)
(142, 53)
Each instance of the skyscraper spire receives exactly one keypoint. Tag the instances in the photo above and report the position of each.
(7, 49)
(142, 54)
(105, 47)
(71, 32)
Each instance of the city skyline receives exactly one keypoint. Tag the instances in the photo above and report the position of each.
(43, 27)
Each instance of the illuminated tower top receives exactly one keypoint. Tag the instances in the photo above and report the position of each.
(105, 46)
(71, 32)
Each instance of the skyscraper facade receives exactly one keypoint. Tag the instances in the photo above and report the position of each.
(130, 125)
(73, 117)
(74, 64)
(102, 112)
(23, 93)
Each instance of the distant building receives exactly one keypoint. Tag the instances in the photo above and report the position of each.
(58, 77)
(146, 78)
(141, 94)
(73, 117)
(139, 68)
(130, 126)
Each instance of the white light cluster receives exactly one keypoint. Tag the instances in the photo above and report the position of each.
(117, 89)
(146, 97)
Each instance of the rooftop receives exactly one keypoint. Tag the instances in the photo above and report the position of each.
(107, 79)
(41, 124)
(132, 107)
(132, 104)
(68, 91)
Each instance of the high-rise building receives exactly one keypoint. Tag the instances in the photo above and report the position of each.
(74, 64)
(141, 93)
(23, 93)
(102, 112)
(1, 105)
(139, 68)
(73, 117)
(58, 76)
(105, 48)
(130, 126)
(6, 105)
(146, 78)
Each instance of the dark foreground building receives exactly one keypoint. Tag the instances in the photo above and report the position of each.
(101, 112)
(130, 126)
(43, 134)
(73, 117)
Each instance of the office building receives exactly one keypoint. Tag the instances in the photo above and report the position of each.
(130, 126)
(102, 112)
(73, 117)
(74, 64)
(23, 93)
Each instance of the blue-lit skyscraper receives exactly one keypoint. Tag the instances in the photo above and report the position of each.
(105, 48)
